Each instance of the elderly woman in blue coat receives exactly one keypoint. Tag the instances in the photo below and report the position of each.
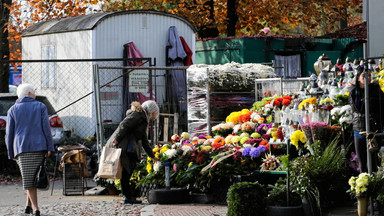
(29, 140)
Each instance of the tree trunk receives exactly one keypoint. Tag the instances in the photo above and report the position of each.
(4, 48)
(232, 17)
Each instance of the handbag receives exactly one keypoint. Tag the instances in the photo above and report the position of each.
(109, 164)
(41, 179)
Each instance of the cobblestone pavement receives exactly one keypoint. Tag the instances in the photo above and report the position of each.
(12, 202)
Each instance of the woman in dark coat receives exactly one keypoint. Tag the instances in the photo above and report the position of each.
(131, 136)
(376, 118)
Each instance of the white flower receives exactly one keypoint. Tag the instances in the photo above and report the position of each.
(157, 166)
(335, 111)
(186, 148)
(236, 128)
(170, 153)
(247, 145)
(184, 136)
(209, 141)
(346, 109)
(345, 119)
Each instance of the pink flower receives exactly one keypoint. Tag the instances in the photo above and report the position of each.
(175, 167)
(266, 30)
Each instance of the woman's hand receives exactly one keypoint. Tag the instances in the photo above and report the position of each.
(48, 154)
(115, 142)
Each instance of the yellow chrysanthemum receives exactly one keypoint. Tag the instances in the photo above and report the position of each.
(190, 164)
(149, 167)
(164, 149)
(206, 148)
(327, 101)
(228, 139)
(312, 100)
(156, 149)
(296, 137)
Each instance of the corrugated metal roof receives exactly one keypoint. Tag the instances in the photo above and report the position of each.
(86, 22)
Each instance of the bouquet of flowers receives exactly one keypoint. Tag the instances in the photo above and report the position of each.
(360, 184)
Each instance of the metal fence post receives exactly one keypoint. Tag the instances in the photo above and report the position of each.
(99, 126)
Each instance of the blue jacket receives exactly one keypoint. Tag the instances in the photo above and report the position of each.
(28, 128)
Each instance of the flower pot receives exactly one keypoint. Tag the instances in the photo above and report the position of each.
(285, 211)
(113, 191)
(362, 206)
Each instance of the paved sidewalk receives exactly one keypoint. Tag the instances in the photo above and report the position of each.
(12, 202)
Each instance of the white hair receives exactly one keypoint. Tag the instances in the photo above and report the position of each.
(150, 107)
(24, 89)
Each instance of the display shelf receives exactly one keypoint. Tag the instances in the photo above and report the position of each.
(287, 143)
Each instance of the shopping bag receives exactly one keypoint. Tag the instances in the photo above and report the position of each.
(109, 164)
(41, 179)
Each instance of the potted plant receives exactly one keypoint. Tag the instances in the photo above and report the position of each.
(361, 186)
(109, 184)
(277, 203)
(246, 199)
(322, 171)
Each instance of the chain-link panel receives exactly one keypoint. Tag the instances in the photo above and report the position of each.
(145, 83)
(68, 85)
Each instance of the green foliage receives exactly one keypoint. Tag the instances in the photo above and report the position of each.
(246, 199)
(341, 100)
(277, 195)
(325, 169)
(377, 186)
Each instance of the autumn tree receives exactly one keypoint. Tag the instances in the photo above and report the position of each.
(241, 17)
(26, 13)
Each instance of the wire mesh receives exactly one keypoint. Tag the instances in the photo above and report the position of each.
(68, 85)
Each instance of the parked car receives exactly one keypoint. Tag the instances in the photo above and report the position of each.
(8, 99)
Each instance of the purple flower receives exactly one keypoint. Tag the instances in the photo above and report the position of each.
(262, 149)
(186, 142)
(260, 127)
(253, 141)
(255, 152)
(246, 151)
(266, 136)
(202, 137)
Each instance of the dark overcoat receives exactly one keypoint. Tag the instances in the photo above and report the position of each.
(134, 125)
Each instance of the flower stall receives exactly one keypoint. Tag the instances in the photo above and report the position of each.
(313, 125)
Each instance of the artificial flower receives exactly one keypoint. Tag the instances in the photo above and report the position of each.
(228, 139)
(206, 148)
(219, 141)
(243, 140)
(296, 137)
(170, 153)
(184, 136)
(157, 166)
(255, 135)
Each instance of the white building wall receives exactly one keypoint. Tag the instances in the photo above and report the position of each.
(149, 32)
(68, 86)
